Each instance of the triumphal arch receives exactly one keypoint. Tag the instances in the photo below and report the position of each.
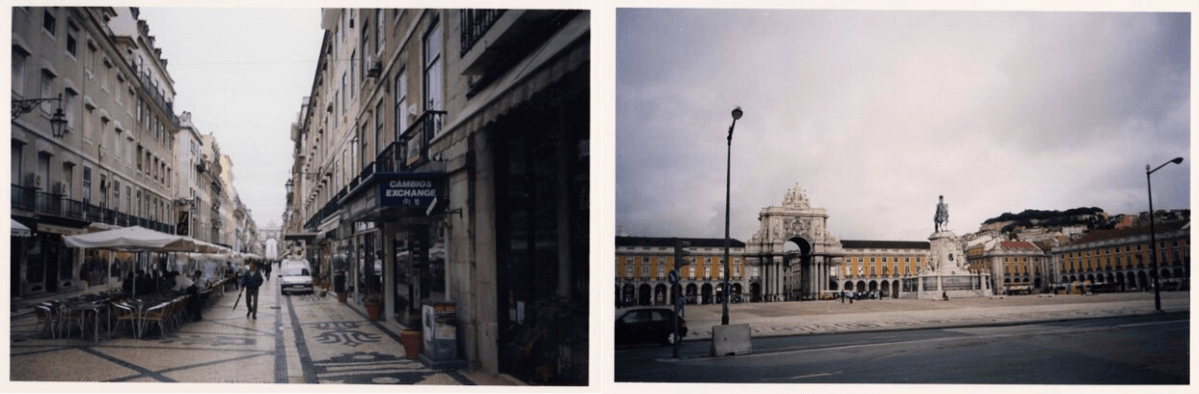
(792, 273)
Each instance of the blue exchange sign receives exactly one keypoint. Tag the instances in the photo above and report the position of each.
(407, 192)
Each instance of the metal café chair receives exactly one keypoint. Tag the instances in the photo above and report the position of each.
(127, 313)
(160, 314)
(47, 319)
(72, 315)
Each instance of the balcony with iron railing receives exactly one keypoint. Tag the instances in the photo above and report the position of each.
(23, 198)
(411, 148)
(476, 23)
(166, 106)
(408, 153)
(57, 205)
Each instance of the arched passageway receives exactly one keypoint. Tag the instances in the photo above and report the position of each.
(660, 294)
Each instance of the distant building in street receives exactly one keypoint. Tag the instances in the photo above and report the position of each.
(444, 156)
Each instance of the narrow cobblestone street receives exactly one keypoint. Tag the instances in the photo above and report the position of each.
(295, 339)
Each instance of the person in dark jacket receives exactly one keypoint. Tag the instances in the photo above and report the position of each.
(252, 279)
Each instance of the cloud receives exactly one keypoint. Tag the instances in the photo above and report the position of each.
(876, 113)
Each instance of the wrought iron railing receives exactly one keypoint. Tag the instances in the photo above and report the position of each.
(411, 148)
(72, 208)
(166, 106)
(476, 23)
(49, 204)
(23, 198)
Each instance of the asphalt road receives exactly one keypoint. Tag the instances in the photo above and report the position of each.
(1119, 350)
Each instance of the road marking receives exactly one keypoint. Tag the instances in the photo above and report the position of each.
(815, 375)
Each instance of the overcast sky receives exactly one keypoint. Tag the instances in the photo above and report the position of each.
(242, 73)
(876, 113)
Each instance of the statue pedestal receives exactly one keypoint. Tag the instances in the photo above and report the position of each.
(946, 275)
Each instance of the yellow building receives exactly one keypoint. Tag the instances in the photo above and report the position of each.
(643, 263)
(1120, 260)
(879, 266)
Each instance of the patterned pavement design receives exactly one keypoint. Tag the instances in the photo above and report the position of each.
(334, 344)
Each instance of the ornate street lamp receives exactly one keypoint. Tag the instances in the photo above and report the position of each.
(1157, 291)
(58, 122)
(724, 317)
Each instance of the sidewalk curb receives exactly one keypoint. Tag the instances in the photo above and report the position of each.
(953, 325)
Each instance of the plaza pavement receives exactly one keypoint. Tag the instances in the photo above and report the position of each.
(296, 339)
(825, 317)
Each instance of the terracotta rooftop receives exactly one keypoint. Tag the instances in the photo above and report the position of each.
(885, 244)
(669, 242)
(1018, 245)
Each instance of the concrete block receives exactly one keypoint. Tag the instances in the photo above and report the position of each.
(731, 340)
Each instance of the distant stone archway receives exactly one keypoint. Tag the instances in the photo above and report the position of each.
(801, 273)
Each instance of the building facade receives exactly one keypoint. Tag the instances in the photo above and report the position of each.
(642, 264)
(1121, 259)
(879, 266)
(448, 160)
(112, 166)
(116, 164)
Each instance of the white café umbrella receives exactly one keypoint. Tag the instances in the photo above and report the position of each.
(19, 230)
(133, 239)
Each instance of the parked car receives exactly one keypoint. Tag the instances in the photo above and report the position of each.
(295, 276)
(648, 324)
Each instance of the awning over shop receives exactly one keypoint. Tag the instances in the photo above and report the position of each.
(19, 230)
(50, 228)
(300, 236)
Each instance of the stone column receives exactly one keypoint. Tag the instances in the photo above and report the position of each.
(766, 275)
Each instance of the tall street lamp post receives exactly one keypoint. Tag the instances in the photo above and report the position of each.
(1157, 291)
(724, 317)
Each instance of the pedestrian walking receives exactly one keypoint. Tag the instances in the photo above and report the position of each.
(232, 274)
(268, 270)
(251, 281)
(842, 296)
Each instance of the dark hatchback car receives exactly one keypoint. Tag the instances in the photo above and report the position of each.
(648, 324)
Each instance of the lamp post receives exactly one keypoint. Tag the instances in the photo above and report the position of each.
(1157, 291)
(58, 122)
(724, 316)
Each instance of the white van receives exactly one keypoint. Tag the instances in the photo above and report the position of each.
(295, 275)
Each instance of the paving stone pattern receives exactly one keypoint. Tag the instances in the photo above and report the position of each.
(296, 339)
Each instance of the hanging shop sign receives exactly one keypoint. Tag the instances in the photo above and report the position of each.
(417, 192)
